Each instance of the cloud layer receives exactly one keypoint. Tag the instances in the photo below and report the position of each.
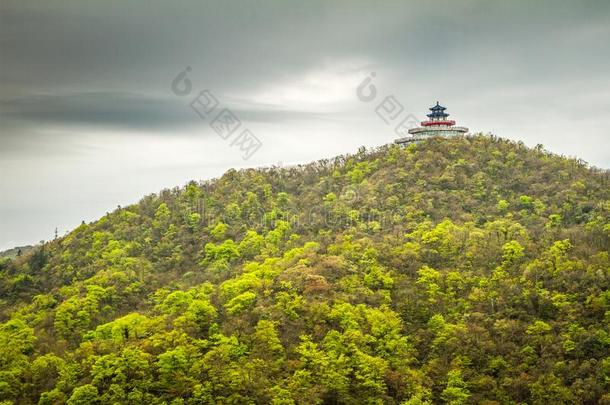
(86, 103)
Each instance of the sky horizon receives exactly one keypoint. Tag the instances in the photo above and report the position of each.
(104, 103)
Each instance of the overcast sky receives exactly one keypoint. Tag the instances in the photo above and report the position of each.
(89, 120)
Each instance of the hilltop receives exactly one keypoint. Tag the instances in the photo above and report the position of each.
(466, 270)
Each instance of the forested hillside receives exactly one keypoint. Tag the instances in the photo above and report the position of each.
(470, 270)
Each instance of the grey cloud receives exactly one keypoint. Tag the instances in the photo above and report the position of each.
(535, 71)
(127, 110)
(98, 109)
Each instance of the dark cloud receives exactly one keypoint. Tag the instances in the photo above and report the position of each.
(130, 111)
(108, 109)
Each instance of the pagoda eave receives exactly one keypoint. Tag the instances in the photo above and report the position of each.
(431, 123)
(419, 130)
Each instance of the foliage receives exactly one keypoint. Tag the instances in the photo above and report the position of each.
(470, 270)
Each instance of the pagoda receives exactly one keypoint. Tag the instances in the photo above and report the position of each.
(437, 125)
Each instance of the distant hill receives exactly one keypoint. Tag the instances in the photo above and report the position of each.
(16, 251)
(468, 270)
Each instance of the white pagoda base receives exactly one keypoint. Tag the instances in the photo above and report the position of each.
(422, 133)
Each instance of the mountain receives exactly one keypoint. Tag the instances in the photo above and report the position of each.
(466, 270)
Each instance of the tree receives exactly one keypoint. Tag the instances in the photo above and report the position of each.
(84, 395)
(456, 391)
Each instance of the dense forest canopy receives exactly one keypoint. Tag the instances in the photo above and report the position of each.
(467, 270)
